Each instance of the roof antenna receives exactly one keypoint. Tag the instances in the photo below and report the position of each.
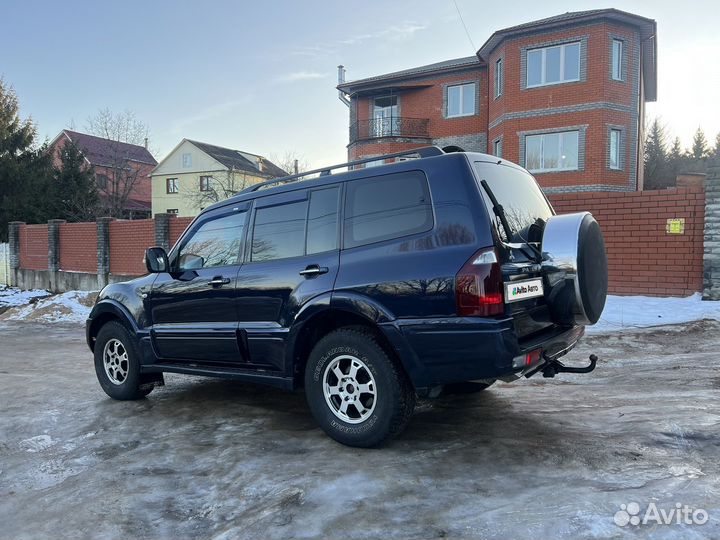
(465, 27)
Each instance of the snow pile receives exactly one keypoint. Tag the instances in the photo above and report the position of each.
(624, 313)
(11, 296)
(69, 307)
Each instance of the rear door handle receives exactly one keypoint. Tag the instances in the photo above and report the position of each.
(217, 281)
(314, 270)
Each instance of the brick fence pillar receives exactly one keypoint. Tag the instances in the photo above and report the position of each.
(14, 246)
(54, 244)
(162, 230)
(711, 252)
(103, 250)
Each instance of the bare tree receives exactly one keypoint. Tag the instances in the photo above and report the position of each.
(287, 160)
(123, 173)
(219, 187)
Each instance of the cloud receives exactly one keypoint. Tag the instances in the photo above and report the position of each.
(394, 32)
(301, 76)
(209, 113)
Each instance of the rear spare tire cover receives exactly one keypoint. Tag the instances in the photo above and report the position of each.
(575, 268)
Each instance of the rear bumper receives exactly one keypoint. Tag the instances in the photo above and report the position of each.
(441, 351)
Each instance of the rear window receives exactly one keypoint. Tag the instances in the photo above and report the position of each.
(386, 207)
(517, 192)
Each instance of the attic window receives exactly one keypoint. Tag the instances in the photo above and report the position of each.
(186, 161)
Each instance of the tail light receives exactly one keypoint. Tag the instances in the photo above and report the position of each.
(479, 285)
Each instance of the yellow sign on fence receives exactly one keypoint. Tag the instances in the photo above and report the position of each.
(675, 226)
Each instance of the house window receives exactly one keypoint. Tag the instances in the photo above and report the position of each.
(171, 185)
(385, 117)
(497, 147)
(102, 181)
(376, 163)
(553, 65)
(617, 52)
(499, 76)
(171, 211)
(615, 138)
(461, 100)
(205, 183)
(552, 152)
(186, 161)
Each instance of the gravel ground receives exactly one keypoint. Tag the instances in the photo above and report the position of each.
(541, 458)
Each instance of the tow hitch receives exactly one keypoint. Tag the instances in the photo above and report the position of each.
(554, 367)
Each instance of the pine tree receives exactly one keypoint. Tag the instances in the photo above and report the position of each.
(657, 171)
(24, 178)
(75, 193)
(676, 151)
(699, 147)
(716, 150)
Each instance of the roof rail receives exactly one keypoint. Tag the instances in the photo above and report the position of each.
(423, 152)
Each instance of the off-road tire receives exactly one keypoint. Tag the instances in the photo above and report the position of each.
(394, 400)
(130, 388)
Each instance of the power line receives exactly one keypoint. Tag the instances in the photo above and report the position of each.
(467, 33)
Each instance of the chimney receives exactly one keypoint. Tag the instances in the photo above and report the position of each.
(146, 143)
(341, 79)
(296, 166)
(260, 163)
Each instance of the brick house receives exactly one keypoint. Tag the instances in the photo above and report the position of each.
(563, 96)
(119, 167)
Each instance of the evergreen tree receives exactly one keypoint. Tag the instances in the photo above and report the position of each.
(658, 174)
(75, 193)
(676, 152)
(716, 150)
(699, 147)
(24, 178)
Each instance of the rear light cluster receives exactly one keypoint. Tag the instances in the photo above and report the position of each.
(529, 359)
(479, 285)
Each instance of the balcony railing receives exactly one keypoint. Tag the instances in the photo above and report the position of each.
(392, 126)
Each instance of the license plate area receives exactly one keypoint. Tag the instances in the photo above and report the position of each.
(516, 291)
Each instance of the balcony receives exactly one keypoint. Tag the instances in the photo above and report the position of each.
(392, 126)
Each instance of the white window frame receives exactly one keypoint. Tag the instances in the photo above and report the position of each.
(616, 60)
(172, 182)
(208, 182)
(497, 148)
(187, 160)
(543, 169)
(543, 56)
(463, 89)
(499, 77)
(171, 211)
(615, 145)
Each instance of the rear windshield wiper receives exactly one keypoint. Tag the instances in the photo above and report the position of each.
(500, 213)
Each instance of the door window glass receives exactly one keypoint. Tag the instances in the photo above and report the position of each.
(322, 232)
(279, 231)
(216, 242)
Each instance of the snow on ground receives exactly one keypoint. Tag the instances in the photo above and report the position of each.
(10, 296)
(623, 313)
(68, 307)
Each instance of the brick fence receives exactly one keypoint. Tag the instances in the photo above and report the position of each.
(646, 256)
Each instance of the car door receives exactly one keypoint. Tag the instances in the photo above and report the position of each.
(193, 307)
(292, 256)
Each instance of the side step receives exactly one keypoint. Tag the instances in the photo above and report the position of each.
(555, 366)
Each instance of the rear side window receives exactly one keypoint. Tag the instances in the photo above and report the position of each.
(385, 207)
(279, 231)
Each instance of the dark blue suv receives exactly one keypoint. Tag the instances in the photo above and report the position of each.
(367, 287)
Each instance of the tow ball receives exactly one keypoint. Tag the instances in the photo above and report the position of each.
(555, 366)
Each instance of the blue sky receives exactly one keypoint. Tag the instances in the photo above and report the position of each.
(260, 76)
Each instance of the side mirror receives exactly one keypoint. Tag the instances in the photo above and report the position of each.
(156, 260)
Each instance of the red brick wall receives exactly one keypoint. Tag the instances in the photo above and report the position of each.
(643, 259)
(34, 247)
(128, 242)
(78, 243)
(177, 226)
